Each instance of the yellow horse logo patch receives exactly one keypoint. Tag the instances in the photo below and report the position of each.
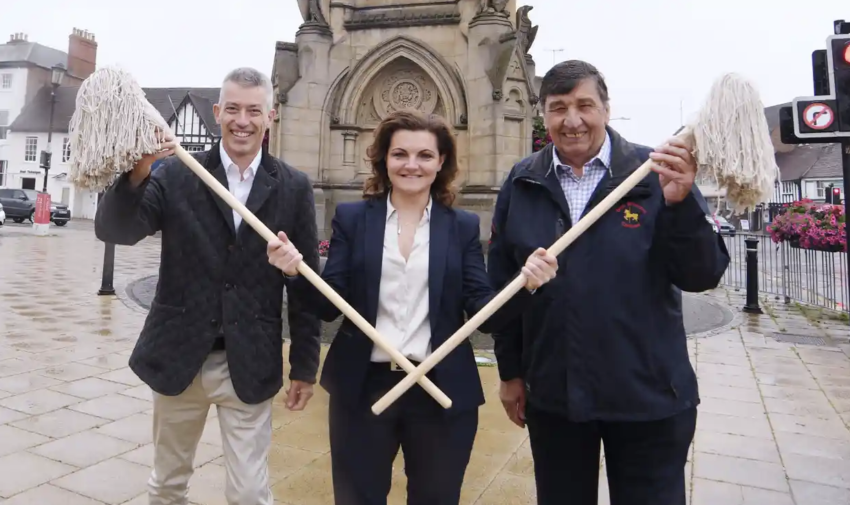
(631, 214)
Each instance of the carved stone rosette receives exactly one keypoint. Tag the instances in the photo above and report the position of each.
(404, 89)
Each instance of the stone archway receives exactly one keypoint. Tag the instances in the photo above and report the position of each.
(400, 73)
(400, 84)
(424, 66)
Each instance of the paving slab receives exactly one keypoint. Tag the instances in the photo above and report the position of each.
(773, 426)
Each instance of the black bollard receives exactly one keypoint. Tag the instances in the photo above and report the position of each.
(752, 306)
(106, 287)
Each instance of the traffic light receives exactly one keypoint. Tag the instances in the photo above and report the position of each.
(45, 160)
(836, 196)
(840, 49)
(827, 194)
(820, 72)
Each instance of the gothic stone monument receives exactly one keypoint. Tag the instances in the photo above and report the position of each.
(355, 61)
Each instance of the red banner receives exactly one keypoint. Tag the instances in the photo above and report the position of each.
(42, 209)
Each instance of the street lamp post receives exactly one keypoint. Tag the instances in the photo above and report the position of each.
(56, 78)
(41, 220)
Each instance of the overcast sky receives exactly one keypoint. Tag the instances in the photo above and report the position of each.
(656, 54)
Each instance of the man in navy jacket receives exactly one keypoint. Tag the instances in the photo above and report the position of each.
(601, 354)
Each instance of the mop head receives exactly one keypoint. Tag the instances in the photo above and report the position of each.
(112, 127)
(732, 142)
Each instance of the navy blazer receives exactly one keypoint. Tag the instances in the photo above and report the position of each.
(458, 284)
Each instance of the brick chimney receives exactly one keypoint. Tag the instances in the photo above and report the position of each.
(82, 53)
(18, 38)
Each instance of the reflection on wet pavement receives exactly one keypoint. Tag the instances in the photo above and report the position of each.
(75, 421)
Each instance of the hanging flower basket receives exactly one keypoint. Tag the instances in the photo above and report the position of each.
(795, 244)
(805, 224)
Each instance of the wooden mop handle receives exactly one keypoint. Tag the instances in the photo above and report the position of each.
(510, 290)
(311, 276)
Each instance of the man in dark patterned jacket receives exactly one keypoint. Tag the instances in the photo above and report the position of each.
(214, 332)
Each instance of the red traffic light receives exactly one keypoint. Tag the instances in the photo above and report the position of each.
(836, 191)
(846, 53)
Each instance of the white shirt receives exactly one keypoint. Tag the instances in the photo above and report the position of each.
(403, 292)
(239, 184)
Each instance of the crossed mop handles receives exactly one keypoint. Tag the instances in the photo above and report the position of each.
(730, 136)
(417, 374)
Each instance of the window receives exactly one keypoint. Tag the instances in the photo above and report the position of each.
(30, 148)
(6, 81)
(4, 124)
(66, 150)
(27, 183)
(3, 164)
(821, 186)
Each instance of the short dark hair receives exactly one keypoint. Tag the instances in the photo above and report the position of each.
(378, 184)
(565, 76)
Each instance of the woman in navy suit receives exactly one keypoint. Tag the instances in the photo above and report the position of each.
(411, 265)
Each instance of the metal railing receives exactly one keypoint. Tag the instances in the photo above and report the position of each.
(817, 278)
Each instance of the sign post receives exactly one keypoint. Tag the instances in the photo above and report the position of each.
(41, 217)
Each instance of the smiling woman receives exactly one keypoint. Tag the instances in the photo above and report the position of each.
(413, 266)
(414, 154)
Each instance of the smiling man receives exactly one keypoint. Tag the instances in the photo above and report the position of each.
(213, 335)
(600, 357)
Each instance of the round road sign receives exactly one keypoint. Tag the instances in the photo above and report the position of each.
(818, 116)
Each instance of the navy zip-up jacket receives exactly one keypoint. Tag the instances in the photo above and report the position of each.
(605, 339)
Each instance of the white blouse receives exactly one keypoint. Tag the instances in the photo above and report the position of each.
(403, 293)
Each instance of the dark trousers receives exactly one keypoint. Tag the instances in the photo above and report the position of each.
(436, 446)
(645, 461)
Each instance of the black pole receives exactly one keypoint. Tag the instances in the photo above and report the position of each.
(752, 306)
(106, 285)
(845, 161)
(49, 136)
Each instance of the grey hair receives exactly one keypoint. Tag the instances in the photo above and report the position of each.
(249, 78)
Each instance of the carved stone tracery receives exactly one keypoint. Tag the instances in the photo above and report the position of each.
(401, 85)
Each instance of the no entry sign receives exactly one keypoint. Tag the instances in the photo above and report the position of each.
(818, 116)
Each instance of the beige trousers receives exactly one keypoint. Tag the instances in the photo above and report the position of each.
(178, 423)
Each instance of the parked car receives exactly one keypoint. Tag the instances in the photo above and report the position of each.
(725, 226)
(19, 205)
(2, 215)
(714, 224)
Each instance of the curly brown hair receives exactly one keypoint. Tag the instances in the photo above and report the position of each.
(378, 184)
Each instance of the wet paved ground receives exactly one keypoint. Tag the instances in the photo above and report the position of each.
(75, 421)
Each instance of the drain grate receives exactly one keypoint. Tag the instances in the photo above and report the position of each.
(793, 338)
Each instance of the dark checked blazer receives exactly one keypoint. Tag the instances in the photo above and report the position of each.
(215, 282)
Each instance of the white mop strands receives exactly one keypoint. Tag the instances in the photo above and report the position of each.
(112, 127)
(733, 142)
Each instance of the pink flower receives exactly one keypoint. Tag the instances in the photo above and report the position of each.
(813, 225)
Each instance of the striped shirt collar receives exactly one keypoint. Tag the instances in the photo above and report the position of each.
(603, 157)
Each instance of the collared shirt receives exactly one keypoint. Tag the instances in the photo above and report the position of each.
(403, 293)
(578, 190)
(238, 183)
